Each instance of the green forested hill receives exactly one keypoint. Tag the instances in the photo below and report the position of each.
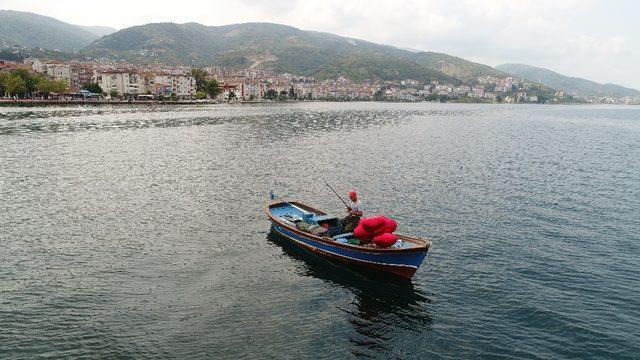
(37, 31)
(455, 66)
(262, 45)
(282, 48)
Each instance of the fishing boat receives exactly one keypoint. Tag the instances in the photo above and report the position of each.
(323, 235)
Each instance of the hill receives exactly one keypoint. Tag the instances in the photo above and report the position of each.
(456, 67)
(574, 85)
(36, 31)
(281, 48)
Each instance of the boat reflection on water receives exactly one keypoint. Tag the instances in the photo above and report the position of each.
(382, 306)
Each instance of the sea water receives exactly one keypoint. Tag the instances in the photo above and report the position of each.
(139, 231)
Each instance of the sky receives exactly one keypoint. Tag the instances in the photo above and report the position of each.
(594, 39)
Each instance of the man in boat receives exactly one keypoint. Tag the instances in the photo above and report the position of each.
(354, 213)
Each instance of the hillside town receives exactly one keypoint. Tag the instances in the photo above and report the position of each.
(122, 80)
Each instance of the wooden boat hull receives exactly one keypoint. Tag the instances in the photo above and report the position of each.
(401, 263)
(403, 266)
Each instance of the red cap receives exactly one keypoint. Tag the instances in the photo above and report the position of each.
(352, 194)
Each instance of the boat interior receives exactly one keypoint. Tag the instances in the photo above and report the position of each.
(321, 224)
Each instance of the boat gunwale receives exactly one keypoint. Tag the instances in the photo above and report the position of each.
(423, 245)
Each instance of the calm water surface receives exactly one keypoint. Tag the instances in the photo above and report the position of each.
(138, 232)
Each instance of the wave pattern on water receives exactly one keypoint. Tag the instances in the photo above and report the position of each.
(293, 118)
(138, 232)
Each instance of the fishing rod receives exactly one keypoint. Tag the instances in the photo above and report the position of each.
(345, 204)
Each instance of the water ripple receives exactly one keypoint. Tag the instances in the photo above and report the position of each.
(138, 232)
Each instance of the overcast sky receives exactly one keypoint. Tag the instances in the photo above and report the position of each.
(597, 40)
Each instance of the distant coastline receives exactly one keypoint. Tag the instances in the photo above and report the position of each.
(258, 60)
(30, 102)
(44, 103)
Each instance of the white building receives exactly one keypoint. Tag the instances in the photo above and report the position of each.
(180, 85)
(54, 69)
(124, 83)
(251, 90)
(184, 85)
(444, 89)
(134, 83)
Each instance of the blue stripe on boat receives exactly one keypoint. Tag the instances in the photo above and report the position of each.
(404, 259)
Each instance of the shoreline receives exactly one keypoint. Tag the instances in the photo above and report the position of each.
(29, 102)
(32, 102)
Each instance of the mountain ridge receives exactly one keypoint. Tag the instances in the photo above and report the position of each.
(278, 47)
(282, 48)
(38, 31)
(574, 85)
(98, 30)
